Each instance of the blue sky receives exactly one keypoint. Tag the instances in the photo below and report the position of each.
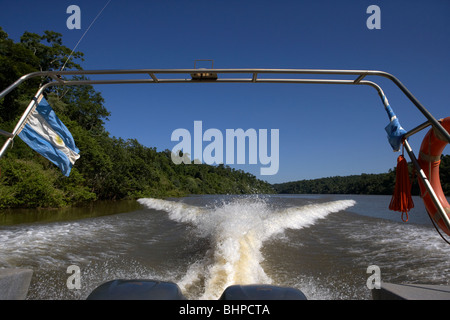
(324, 130)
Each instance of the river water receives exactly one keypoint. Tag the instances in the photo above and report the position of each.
(320, 244)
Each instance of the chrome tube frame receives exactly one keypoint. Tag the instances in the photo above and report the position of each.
(255, 77)
(255, 73)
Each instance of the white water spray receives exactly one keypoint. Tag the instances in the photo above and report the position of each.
(237, 230)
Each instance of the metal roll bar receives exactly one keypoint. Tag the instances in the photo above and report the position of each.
(211, 75)
(203, 76)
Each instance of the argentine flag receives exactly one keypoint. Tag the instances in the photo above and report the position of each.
(46, 134)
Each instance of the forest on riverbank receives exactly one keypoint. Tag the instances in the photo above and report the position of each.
(379, 184)
(109, 168)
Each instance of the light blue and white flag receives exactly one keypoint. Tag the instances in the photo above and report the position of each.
(46, 134)
(394, 129)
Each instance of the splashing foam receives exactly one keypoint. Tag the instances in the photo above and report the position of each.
(237, 230)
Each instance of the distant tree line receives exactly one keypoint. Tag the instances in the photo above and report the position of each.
(383, 183)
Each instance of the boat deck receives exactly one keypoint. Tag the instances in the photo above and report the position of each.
(390, 291)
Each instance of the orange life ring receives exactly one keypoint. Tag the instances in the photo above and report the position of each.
(429, 159)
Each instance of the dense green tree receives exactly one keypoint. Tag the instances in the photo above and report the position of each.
(444, 173)
(32, 53)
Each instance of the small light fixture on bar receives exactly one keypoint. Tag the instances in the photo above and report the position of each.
(204, 75)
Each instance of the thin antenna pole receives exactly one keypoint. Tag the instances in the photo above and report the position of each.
(98, 15)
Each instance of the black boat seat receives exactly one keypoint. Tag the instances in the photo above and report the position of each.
(261, 292)
(163, 290)
(137, 290)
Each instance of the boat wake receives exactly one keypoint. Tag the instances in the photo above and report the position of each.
(237, 229)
